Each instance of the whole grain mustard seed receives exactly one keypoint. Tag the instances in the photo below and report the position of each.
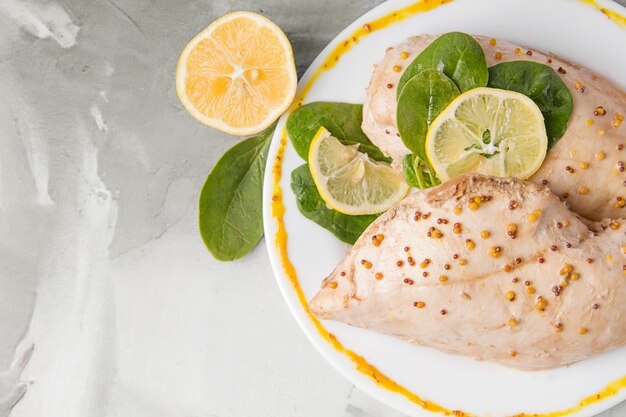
(513, 353)
(512, 322)
(469, 244)
(485, 234)
(589, 122)
(584, 165)
(574, 276)
(578, 85)
(397, 68)
(510, 295)
(599, 111)
(530, 290)
(492, 42)
(458, 210)
(583, 190)
(462, 261)
(567, 268)
(419, 304)
(366, 264)
(332, 285)
(379, 275)
(601, 132)
(404, 55)
(600, 156)
(498, 55)
(541, 303)
(534, 216)
(582, 330)
(443, 278)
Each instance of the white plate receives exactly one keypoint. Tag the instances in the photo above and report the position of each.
(573, 29)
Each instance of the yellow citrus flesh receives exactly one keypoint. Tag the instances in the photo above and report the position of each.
(488, 131)
(349, 181)
(237, 75)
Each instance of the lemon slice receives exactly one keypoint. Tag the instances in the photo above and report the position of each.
(488, 131)
(349, 181)
(237, 75)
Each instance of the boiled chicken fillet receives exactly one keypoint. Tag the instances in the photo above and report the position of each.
(585, 168)
(494, 268)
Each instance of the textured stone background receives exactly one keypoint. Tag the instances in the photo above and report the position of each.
(109, 303)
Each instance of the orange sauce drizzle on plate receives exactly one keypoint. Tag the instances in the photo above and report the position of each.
(280, 239)
(612, 15)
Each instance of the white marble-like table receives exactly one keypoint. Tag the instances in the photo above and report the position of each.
(109, 303)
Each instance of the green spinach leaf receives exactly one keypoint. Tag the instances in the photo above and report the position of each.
(422, 99)
(543, 86)
(347, 228)
(457, 55)
(230, 206)
(342, 120)
(417, 173)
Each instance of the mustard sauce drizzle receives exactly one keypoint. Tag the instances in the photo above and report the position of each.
(280, 239)
(614, 16)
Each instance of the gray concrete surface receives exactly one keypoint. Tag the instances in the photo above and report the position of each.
(109, 303)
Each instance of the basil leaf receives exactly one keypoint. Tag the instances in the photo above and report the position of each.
(417, 173)
(544, 86)
(345, 227)
(342, 120)
(457, 55)
(230, 205)
(422, 99)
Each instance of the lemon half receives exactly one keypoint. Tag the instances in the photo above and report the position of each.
(237, 75)
(349, 181)
(488, 131)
